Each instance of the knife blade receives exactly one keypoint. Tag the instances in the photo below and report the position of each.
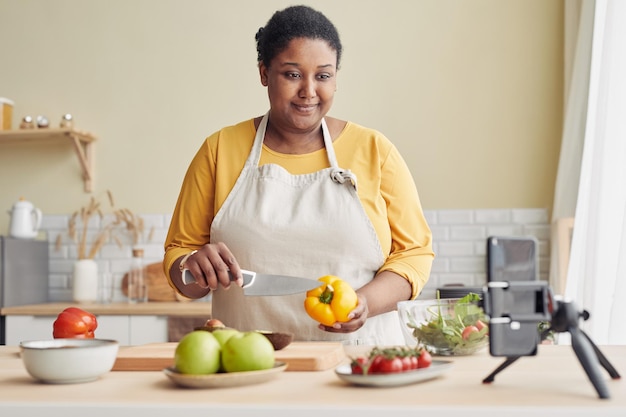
(255, 284)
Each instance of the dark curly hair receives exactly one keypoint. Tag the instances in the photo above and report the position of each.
(291, 23)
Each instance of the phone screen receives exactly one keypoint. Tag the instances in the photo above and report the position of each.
(511, 259)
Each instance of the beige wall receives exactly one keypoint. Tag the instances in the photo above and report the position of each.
(469, 90)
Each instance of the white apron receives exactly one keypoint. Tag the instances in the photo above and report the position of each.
(307, 225)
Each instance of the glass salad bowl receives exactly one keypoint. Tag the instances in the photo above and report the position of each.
(446, 327)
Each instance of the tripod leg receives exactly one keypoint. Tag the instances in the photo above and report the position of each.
(586, 355)
(603, 360)
(500, 368)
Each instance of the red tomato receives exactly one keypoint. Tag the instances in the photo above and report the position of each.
(414, 362)
(424, 359)
(375, 364)
(390, 365)
(467, 331)
(358, 365)
(406, 363)
(480, 325)
(75, 323)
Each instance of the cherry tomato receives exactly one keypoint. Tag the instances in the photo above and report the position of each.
(375, 364)
(424, 359)
(406, 363)
(359, 365)
(467, 331)
(390, 365)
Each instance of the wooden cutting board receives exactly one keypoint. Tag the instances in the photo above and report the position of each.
(299, 356)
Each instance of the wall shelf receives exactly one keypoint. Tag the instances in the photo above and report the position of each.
(82, 142)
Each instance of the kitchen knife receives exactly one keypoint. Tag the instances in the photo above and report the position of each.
(267, 284)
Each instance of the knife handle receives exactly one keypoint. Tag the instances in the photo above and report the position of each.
(248, 277)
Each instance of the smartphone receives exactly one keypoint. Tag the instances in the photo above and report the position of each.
(512, 302)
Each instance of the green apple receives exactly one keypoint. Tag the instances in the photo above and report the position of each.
(222, 335)
(247, 351)
(197, 353)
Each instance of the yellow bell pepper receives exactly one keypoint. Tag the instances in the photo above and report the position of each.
(331, 302)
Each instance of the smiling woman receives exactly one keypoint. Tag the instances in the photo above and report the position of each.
(291, 175)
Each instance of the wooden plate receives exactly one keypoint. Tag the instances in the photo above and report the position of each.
(224, 379)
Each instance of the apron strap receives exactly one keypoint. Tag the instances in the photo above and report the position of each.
(338, 175)
(257, 146)
(341, 176)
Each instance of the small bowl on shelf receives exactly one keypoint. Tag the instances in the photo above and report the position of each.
(446, 327)
(68, 361)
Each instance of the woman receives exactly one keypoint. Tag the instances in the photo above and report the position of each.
(298, 193)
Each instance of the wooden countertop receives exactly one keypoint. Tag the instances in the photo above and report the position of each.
(550, 384)
(178, 309)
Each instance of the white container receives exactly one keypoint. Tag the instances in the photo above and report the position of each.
(85, 285)
(6, 113)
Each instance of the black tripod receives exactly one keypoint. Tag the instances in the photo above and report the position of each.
(565, 319)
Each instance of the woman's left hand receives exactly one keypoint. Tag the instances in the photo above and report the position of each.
(357, 317)
(370, 303)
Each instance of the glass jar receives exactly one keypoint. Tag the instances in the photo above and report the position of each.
(137, 285)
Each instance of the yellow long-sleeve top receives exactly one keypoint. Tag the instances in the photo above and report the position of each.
(384, 185)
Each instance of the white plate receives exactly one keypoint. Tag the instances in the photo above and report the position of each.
(436, 368)
(224, 379)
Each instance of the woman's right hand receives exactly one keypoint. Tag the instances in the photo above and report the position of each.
(211, 264)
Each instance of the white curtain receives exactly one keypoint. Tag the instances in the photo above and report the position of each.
(596, 277)
(578, 38)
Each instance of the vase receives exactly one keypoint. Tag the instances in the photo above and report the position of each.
(85, 284)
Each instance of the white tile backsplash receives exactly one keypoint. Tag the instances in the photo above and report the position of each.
(493, 216)
(530, 216)
(110, 258)
(451, 217)
(459, 241)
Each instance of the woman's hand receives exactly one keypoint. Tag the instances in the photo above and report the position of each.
(211, 265)
(370, 302)
(357, 317)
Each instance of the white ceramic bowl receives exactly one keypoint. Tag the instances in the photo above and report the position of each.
(68, 361)
(438, 325)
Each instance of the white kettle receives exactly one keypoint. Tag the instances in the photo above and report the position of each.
(25, 220)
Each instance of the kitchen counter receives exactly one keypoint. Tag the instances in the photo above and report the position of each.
(552, 383)
(176, 309)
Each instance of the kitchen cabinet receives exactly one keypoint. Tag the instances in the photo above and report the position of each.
(82, 142)
(127, 330)
(130, 324)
